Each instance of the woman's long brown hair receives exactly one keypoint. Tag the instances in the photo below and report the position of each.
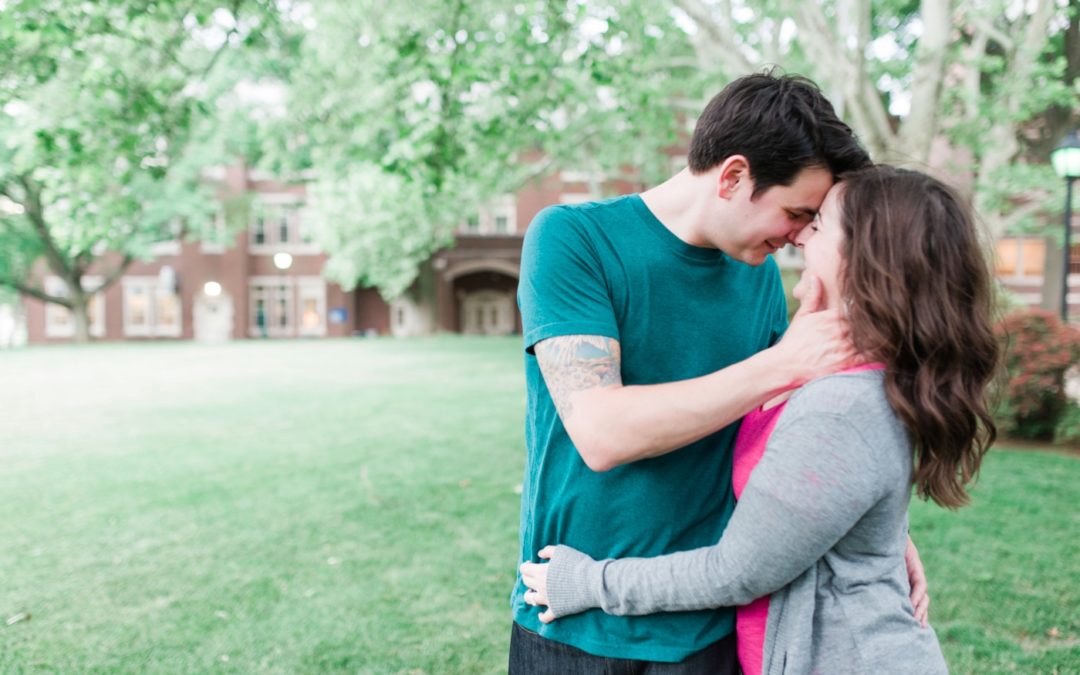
(921, 302)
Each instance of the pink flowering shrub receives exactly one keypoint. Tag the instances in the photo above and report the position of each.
(1039, 348)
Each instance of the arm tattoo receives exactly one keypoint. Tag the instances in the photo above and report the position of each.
(573, 363)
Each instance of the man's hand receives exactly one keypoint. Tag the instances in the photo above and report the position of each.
(534, 575)
(920, 599)
(818, 341)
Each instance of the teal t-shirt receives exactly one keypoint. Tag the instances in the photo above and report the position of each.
(611, 268)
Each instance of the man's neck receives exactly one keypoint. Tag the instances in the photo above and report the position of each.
(683, 204)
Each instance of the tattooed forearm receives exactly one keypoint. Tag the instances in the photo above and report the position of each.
(574, 363)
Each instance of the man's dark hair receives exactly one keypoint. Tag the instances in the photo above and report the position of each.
(782, 124)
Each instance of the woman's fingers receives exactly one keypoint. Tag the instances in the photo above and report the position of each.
(546, 552)
(547, 616)
(922, 610)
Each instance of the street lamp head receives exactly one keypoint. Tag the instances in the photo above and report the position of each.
(1066, 157)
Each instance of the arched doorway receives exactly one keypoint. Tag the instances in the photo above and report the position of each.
(487, 313)
(484, 300)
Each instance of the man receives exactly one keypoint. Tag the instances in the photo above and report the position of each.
(652, 323)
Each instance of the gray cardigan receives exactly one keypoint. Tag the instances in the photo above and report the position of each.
(821, 526)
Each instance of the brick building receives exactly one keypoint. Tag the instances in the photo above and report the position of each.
(217, 290)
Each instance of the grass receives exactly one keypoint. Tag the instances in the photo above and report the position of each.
(350, 506)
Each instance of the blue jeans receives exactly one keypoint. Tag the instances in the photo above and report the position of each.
(531, 654)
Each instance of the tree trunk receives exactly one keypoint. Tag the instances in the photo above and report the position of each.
(80, 305)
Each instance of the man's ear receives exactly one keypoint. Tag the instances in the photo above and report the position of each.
(734, 174)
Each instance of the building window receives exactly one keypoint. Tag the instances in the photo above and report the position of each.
(284, 225)
(215, 233)
(499, 217)
(271, 307)
(258, 230)
(60, 321)
(311, 298)
(1074, 258)
(150, 310)
(306, 223)
(281, 222)
(170, 246)
(1021, 257)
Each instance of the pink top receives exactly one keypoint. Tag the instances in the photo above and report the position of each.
(750, 620)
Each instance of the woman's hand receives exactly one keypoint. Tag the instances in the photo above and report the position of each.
(920, 599)
(534, 575)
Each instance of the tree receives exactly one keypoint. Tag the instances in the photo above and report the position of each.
(994, 78)
(105, 123)
(412, 115)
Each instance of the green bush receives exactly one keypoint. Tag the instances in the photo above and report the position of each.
(1039, 349)
(1068, 429)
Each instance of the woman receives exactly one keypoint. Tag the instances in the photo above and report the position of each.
(821, 523)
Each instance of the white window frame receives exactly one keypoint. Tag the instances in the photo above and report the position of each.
(1018, 276)
(153, 328)
(503, 206)
(56, 286)
(307, 288)
(300, 224)
(214, 237)
(168, 247)
(274, 288)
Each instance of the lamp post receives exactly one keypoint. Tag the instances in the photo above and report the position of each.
(1066, 161)
(283, 261)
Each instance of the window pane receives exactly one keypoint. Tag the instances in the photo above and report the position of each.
(304, 225)
(1033, 257)
(260, 229)
(1007, 252)
(311, 318)
(502, 224)
(168, 310)
(57, 315)
(91, 311)
(137, 305)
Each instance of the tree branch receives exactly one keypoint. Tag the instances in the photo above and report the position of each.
(1008, 220)
(34, 292)
(32, 205)
(928, 75)
(225, 44)
(720, 43)
(115, 274)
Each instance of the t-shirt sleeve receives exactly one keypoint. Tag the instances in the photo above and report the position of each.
(562, 289)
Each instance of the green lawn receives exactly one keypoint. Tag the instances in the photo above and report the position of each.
(350, 506)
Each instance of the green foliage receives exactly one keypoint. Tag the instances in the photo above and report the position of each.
(1068, 428)
(106, 120)
(1039, 349)
(413, 115)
